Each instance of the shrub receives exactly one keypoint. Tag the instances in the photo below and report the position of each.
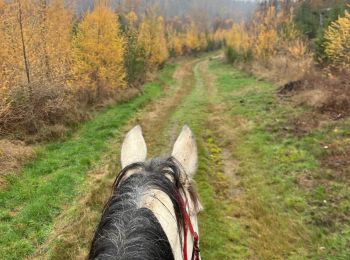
(231, 54)
(337, 40)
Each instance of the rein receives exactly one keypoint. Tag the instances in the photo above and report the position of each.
(189, 227)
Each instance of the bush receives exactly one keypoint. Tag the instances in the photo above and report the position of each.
(232, 55)
(337, 40)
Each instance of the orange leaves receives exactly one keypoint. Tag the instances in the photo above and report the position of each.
(298, 49)
(266, 42)
(99, 50)
(35, 41)
(269, 33)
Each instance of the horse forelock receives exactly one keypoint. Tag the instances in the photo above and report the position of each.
(128, 229)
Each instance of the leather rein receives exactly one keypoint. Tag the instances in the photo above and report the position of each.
(188, 227)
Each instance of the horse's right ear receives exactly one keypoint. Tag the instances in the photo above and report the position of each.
(134, 147)
(185, 151)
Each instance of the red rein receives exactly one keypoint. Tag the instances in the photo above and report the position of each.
(189, 227)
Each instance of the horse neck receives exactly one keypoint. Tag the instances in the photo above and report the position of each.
(161, 206)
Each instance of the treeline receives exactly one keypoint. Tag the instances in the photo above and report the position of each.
(288, 37)
(208, 9)
(55, 65)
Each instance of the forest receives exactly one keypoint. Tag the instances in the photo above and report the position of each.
(56, 61)
(264, 85)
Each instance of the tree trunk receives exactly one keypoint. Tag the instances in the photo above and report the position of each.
(44, 31)
(25, 58)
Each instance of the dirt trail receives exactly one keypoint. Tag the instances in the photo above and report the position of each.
(72, 230)
(245, 216)
(155, 118)
(191, 99)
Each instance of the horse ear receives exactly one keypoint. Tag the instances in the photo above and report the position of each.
(185, 151)
(134, 147)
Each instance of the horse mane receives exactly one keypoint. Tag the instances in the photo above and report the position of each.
(129, 231)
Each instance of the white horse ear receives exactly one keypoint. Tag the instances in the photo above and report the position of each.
(185, 151)
(134, 147)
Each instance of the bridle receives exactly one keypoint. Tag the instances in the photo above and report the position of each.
(189, 227)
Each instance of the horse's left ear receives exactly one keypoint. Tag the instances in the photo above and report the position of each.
(185, 151)
(134, 147)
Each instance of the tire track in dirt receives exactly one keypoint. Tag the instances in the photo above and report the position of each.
(156, 118)
(73, 229)
(221, 127)
(216, 179)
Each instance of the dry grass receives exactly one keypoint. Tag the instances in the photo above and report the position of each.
(47, 112)
(74, 228)
(13, 154)
(326, 91)
(281, 69)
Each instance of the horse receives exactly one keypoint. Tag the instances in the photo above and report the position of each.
(153, 209)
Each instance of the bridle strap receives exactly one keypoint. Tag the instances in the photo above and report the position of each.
(189, 227)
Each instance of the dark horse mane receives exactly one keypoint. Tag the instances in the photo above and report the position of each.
(129, 231)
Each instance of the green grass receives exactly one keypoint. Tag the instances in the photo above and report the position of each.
(33, 198)
(286, 219)
(275, 216)
(219, 235)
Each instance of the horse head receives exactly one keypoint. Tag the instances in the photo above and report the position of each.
(152, 212)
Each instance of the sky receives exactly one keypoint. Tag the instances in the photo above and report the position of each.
(235, 9)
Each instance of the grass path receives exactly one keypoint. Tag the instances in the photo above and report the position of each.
(288, 204)
(251, 176)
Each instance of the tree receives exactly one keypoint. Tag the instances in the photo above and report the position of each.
(337, 40)
(55, 44)
(307, 20)
(152, 40)
(192, 43)
(135, 60)
(99, 50)
(35, 45)
(175, 42)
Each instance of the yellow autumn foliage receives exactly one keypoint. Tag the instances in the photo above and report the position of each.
(298, 49)
(192, 41)
(99, 50)
(266, 43)
(269, 33)
(152, 40)
(35, 42)
(131, 18)
(175, 42)
(337, 40)
(56, 47)
(238, 38)
(51, 64)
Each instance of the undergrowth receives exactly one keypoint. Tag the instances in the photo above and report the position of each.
(33, 198)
